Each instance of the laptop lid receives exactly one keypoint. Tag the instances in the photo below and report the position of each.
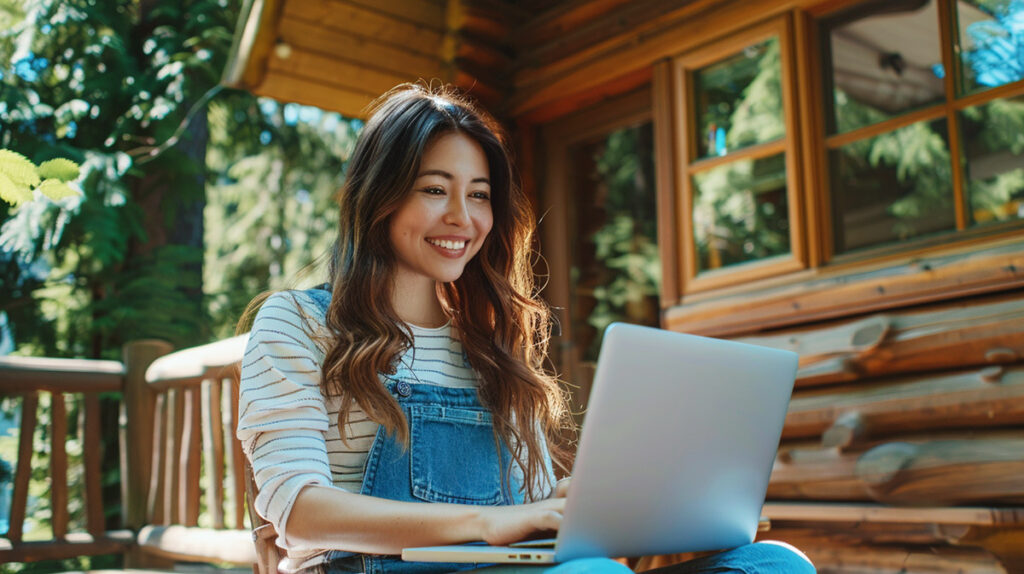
(677, 444)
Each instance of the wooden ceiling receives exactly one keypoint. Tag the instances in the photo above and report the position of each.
(340, 54)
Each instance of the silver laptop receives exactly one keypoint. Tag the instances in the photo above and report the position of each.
(675, 451)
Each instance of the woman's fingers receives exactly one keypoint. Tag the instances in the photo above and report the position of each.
(561, 488)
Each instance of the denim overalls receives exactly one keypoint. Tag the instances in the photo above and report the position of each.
(453, 456)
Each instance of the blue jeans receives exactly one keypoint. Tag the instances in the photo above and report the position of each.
(757, 558)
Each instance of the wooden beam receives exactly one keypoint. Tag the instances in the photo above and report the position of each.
(24, 374)
(76, 544)
(337, 72)
(358, 21)
(311, 37)
(350, 103)
(543, 81)
(255, 36)
(842, 292)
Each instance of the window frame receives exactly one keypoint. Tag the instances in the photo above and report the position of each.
(683, 67)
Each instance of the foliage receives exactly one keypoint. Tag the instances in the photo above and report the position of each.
(19, 177)
(101, 83)
(273, 172)
(626, 281)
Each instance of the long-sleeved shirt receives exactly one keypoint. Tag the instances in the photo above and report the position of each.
(289, 430)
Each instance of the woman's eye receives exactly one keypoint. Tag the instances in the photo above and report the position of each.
(480, 195)
(433, 190)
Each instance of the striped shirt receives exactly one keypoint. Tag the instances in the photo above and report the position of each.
(289, 430)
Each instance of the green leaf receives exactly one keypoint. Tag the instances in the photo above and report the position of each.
(13, 193)
(61, 169)
(18, 168)
(56, 189)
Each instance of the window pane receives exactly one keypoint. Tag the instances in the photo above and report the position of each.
(741, 212)
(892, 187)
(616, 270)
(993, 149)
(886, 61)
(739, 100)
(991, 42)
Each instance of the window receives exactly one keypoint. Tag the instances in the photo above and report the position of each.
(739, 213)
(924, 117)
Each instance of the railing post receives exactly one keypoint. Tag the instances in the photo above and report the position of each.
(137, 414)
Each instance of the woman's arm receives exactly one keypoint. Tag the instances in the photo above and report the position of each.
(324, 517)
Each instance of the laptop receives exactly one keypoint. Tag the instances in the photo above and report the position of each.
(675, 451)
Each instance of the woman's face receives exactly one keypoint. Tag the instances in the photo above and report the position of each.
(443, 220)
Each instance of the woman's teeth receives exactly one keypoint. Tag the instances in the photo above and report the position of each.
(453, 245)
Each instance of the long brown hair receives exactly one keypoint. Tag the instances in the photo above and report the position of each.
(503, 324)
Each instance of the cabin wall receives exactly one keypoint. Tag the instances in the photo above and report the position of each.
(902, 449)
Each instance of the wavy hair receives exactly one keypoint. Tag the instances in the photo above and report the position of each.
(504, 326)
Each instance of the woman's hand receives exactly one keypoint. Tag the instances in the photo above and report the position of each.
(561, 488)
(503, 525)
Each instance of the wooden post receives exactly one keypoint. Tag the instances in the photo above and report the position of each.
(137, 433)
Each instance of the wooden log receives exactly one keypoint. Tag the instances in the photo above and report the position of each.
(841, 556)
(137, 430)
(19, 499)
(58, 466)
(960, 400)
(213, 451)
(939, 277)
(808, 472)
(929, 469)
(188, 461)
(985, 331)
(92, 457)
(941, 472)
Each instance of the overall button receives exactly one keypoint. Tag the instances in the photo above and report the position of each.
(404, 389)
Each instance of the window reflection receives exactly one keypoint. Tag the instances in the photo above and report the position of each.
(892, 187)
(740, 212)
(616, 269)
(993, 149)
(739, 100)
(991, 42)
(886, 60)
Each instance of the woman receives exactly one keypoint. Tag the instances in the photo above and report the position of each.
(415, 375)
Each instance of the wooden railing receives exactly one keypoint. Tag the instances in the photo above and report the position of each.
(178, 415)
(29, 378)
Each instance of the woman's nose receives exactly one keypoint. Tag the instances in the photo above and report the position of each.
(457, 213)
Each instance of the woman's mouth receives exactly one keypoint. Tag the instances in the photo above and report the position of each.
(449, 247)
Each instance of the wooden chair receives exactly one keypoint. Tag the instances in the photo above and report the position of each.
(268, 556)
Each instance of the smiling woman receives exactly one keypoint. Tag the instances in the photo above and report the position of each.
(441, 224)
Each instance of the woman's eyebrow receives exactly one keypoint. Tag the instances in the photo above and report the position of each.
(447, 175)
